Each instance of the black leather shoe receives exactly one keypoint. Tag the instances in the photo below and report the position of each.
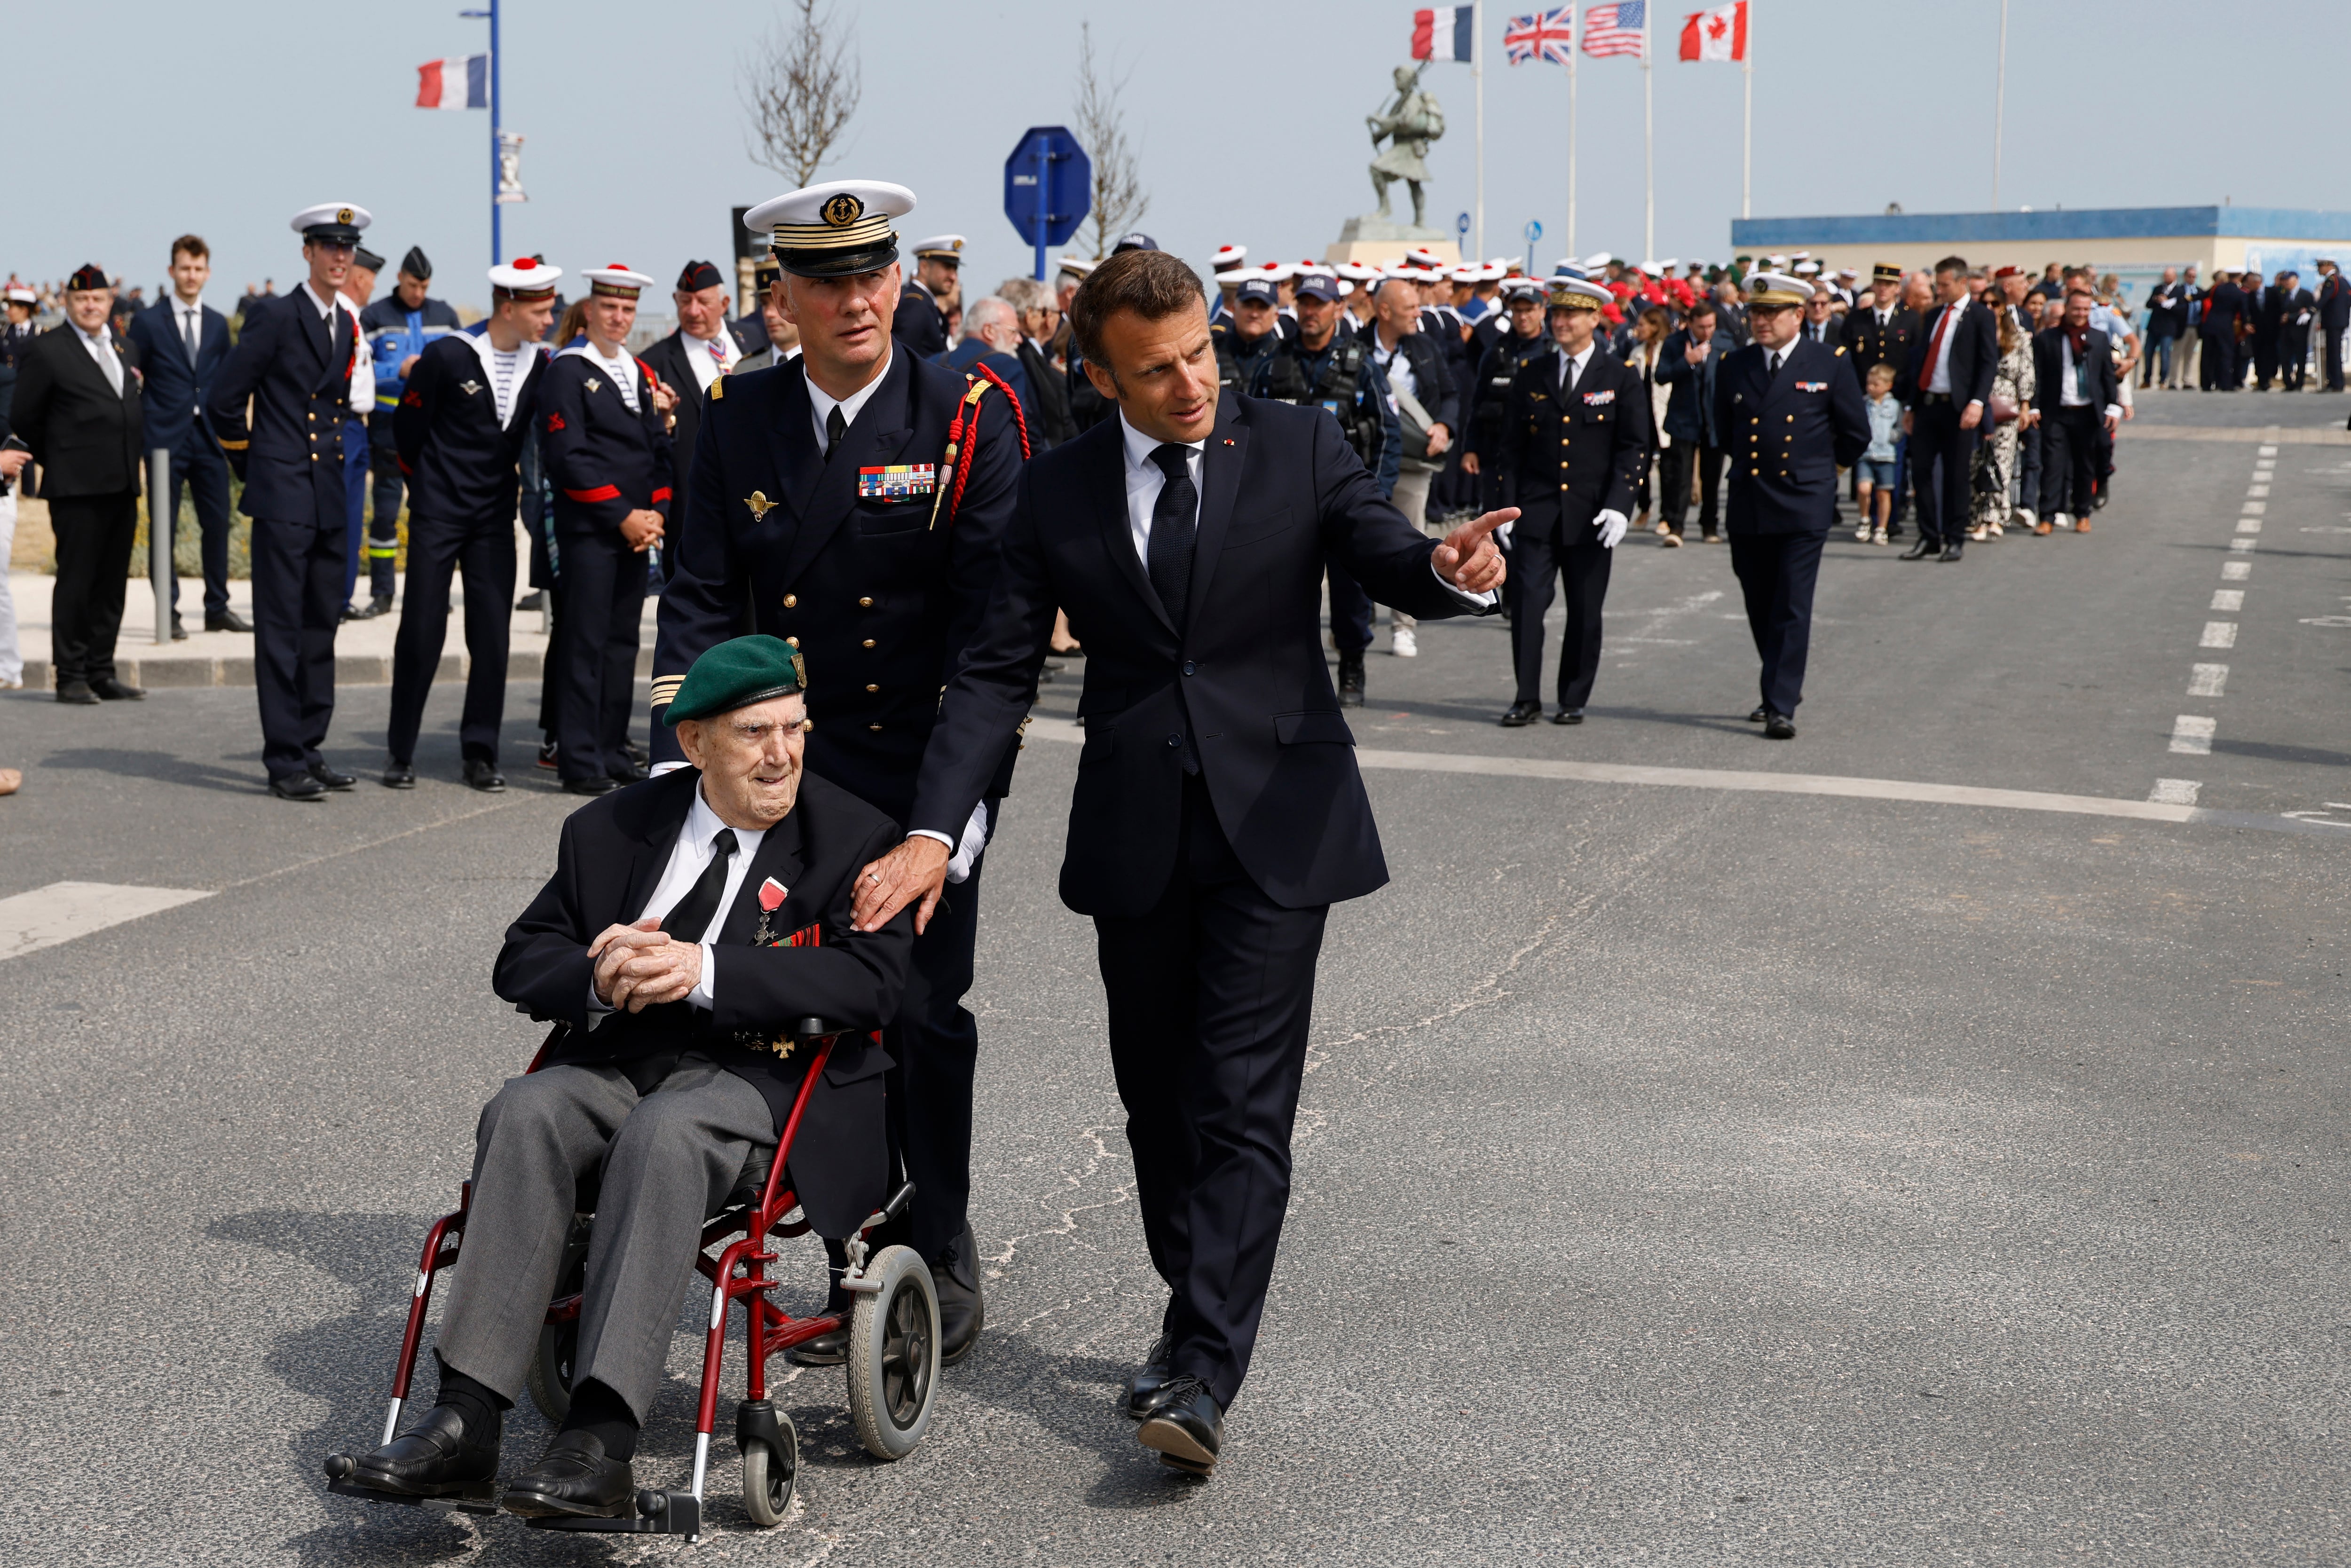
(227, 621)
(963, 1312)
(111, 690)
(630, 772)
(574, 1478)
(399, 776)
(1521, 714)
(485, 776)
(1950, 552)
(1568, 716)
(1759, 715)
(329, 777)
(379, 605)
(825, 1350)
(1147, 1391)
(535, 600)
(1780, 726)
(591, 785)
(298, 787)
(1187, 1429)
(431, 1459)
(1350, 680)
(1918, 551)
(178, 632)
(76, 692)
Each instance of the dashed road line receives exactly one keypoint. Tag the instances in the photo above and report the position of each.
(2175, 791)
(2231, 599)
(2191, 735)
(2219, 635)
(2207, 680)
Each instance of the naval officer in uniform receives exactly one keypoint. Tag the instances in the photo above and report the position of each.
(1791, 415)
(850, 502)
(294, 363)
(921, 322)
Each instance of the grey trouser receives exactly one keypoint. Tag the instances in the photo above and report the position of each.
(670, 1156)
(1411, 498)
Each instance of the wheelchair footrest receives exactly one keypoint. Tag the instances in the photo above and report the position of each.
(481, 1499)
(658, 1512)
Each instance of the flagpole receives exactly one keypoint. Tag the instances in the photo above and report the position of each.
(1747, 153)
(1999, 106)
(1648, 146)
(1478, 76)
(498, 249)
(1575, 39)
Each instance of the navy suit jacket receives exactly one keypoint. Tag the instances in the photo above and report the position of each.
(174, 388)
(1789, 435)
(973, 351)
(1689, 411)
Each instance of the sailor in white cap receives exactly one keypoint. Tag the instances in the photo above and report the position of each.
(1575, 434)
(851, 503)
(935, 289)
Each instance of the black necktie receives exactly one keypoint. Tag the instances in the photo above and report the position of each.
(689, 918)
(1173, 521)
(1773, 363)
(835, 427)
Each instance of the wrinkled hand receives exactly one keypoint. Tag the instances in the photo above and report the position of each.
(1469, 559)
(643, 529)
(1613, 525)
(615, 943)
(1972, 417)
(915, 871)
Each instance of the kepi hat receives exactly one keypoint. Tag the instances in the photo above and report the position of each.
(837, 229)
(941, 247)
(1577, 293)
(1777, 289)
(332, 222)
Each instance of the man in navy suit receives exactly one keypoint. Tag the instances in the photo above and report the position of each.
(1943, 390)
(183, 343)
(2334, 318)
(1218, 811)
(1792, 416)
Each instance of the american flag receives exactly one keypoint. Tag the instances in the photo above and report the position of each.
(1615, 29)
(1545, 35)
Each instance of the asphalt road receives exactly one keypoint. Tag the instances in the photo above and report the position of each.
(1686, 1175)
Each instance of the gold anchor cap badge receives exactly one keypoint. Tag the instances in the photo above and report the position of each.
(759, 503)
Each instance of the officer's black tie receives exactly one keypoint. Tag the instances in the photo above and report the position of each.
(1771, 364)
(690, 916)
(1174, 522)
(835, 427)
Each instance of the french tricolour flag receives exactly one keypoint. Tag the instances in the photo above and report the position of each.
(1443, 33)
(453, 84)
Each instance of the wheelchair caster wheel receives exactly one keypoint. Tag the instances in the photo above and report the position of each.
(769, 1478)
(894, 1355)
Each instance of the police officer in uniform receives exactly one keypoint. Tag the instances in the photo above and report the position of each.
(398, 326)
(1792, 417)
(1575, 432)
(294, 361)
(1248, 341)
(921, 321)
(832, 508)
(1511, 336)
(1332, 368)
(466, 407)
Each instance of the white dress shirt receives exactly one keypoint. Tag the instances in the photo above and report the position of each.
(1395, 365)
(2069, 393)
(821, 403)
(102, 349)
(1939, 380)
(1571, 365)
(188, 320)
(689, 858)
(702, 358)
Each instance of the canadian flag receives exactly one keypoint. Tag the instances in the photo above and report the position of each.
(1717, 35)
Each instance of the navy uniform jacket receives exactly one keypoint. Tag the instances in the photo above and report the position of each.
(1581, 445)
(2335, 303)
(1867, 342)
(1497, 368)
(611, 855)
(919, 323)
(459, 462)
(602, 461)
(296, 367)
(1973, 347)
(1788, 435)
(973, 351)
(1242, 690)
(174, 389)
(2223, 304)
(841, 558)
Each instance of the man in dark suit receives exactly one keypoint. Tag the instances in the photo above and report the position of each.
(2167, 324)
(2221, 369)
(294, 363)
(183, 343)
(2296, 306)
(921, 320)
(1793, 418)
(705, 347)
(2073, 366)
(77, 411)
(1944, 388)
(829, 511)
(2334, 318)
(1690, 361)
(991, 331)
(689, 923)
(1049, 392)
(1575, 434)
(1218, 811)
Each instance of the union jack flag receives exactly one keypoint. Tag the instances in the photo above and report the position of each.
(1615, 29)
(1545, 35)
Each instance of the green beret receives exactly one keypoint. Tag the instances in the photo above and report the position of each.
(736, 673)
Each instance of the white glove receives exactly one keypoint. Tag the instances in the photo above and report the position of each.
(975, 839)
(1612, 524)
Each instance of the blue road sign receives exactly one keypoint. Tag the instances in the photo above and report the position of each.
(1048, 188)
(1534, 230)
(1461, 226)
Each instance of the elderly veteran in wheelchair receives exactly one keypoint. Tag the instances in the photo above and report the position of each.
(690, 919)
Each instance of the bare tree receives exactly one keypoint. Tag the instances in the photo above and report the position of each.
(1119, 202)
(802, 89)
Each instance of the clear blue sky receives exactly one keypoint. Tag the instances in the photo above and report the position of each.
(1248, 117)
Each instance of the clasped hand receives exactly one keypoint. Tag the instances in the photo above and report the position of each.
(642, 966)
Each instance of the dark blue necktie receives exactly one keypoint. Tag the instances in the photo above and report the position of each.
(1175, 520)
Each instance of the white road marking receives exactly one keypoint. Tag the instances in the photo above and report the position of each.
(2243, 547)
(2236, 570)
(2205, 680)
(2254, 508)
(2191, 736)
(2219, 635)
(2249, 525)
(2175, 791)
(2258, 490)
(65, 910)
(2326, 619)
(2228, 599)
(2268, 452)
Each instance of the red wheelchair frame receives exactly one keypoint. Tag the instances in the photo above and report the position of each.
(740, 1270)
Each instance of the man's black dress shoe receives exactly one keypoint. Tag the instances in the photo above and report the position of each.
(227, 621)
(1351, 679)
(535, 600)
(298, 787)
(111, 690)
(1759, 715)
(1147, 1391)
(1187, 1429)
(962, 1311)
(1568, 716)
(178, 632)
(630, 772)
(573, 1476)
(1521, 714)
(591, 785)
(76, 692)
(329, 777)
(1780, 726)
(485, 776)
(1920, 551)
(431, 1459)
(1950, 552)
(399, 776)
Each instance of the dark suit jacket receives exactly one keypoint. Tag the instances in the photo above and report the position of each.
(86, 437)
(610, 857)
(2224, 305)
(459, 462)
(2335, 303)
(1050, 423)
(1569, 453)
(919, 323)
(1788, 436)
(1973, 346)
(972, 352)
(174, 390)
(1690, 409)
(2166, 306)
(1243, 681)
(2048, 369)
(604, 461)
(880, 599)
(667, 360)
(1435, 386)
(295, 369)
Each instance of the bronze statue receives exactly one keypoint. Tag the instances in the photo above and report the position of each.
(1409, 126)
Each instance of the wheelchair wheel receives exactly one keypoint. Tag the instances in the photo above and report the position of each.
(893, 1355)
(550, 1378)
(770, 1477)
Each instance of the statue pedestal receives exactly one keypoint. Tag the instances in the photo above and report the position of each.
(1377, 240)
